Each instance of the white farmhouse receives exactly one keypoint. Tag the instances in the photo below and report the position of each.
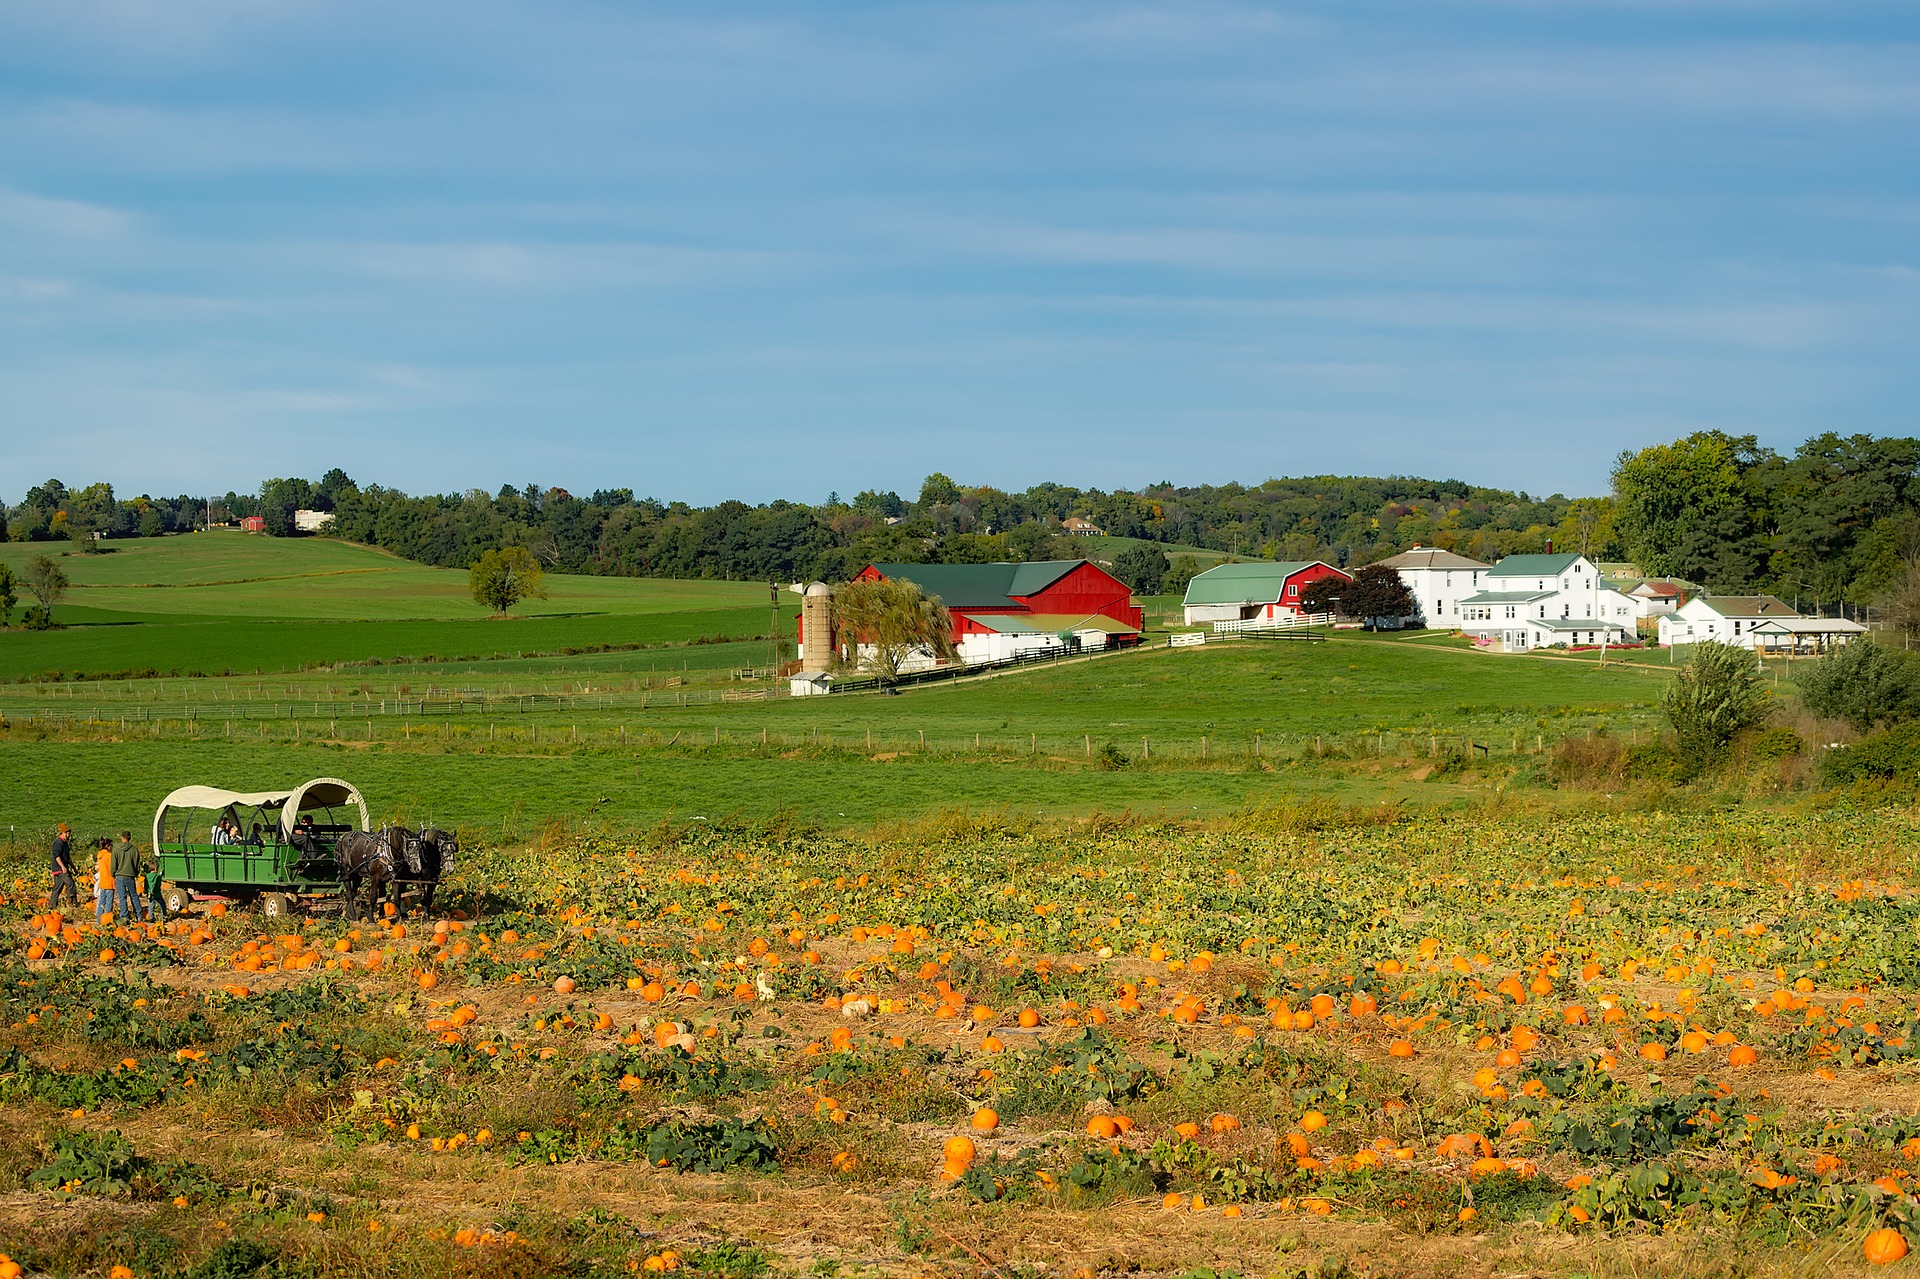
(1533, 601)
(1438, 581)
(1730, 619)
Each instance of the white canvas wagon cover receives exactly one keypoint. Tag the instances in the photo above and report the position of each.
(321, 792)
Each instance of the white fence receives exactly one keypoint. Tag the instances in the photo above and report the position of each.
(1285, 622)
(1186, 639)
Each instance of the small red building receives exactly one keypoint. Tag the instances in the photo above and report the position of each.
(253, 524)
(1048, 597)
(1258, 591)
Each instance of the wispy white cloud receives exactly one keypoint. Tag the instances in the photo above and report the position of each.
(26, 213)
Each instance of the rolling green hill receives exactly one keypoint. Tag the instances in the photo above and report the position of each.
(224, 574)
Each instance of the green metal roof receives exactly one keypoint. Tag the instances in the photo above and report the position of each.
(1507, 597)
(1532, 566)
(1573, 624)
(965, 586)
(1255, 583)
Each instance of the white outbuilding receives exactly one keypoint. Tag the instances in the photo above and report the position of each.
(1728, 619)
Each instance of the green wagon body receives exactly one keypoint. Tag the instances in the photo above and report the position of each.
(209, 868)
(273, 870)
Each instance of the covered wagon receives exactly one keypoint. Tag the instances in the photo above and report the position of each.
(239, 845)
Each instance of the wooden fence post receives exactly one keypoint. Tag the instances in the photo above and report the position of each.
(1146, 751)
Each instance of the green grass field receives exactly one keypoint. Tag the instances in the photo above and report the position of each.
(511, 795)
(522, 730)
(224, 574)
(226, 601)
(1225, 728)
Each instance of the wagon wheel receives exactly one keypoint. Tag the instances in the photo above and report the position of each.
(276, 905)
(175, 898)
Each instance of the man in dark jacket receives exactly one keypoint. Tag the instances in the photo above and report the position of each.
(62, 866)
(126, 873)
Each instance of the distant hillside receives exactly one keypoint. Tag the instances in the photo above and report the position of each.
(1344, 520)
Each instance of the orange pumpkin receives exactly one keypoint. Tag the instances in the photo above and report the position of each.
(1884, 1246)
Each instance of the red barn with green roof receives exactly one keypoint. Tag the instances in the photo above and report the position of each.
(1050, 597)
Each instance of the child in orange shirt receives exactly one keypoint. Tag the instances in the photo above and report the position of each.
(103, 881)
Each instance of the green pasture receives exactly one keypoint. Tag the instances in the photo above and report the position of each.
(103, 787)
(1225, 727)
(225, 574)
(265, 645)
(175, 646)
(1105, 547)
(228, 602)
(1226, 693)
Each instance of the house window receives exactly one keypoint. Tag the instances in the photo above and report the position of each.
(1293, 590)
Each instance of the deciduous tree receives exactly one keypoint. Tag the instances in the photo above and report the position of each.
(9, 595)
(1685, 509)
(1376, 592)
(889, 621)
(48, 582)
(1143, 566)
(502, 578)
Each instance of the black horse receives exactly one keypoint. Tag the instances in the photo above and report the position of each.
(427, 855)
(370, 858)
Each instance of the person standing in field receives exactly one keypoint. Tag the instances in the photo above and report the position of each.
(156, 904)
(126, 877)
(102, 880)
(63, 869)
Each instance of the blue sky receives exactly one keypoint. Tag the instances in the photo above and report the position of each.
(744, 250)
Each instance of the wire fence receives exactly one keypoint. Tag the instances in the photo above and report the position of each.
(891, 740)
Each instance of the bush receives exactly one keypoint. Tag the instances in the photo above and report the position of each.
(1863, 684)
(1716, 696)
(1776, 743)
(1655, 761)
(1890, 754)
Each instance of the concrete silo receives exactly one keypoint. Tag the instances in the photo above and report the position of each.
(816, 629)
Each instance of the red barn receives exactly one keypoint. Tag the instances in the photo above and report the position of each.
(1048, 598)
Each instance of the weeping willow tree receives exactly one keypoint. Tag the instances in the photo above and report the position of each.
(888, 622)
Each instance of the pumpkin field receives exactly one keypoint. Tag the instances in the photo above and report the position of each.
(1300, 1041)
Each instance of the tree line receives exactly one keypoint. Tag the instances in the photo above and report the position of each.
(1836, 521)
(1344, 520)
